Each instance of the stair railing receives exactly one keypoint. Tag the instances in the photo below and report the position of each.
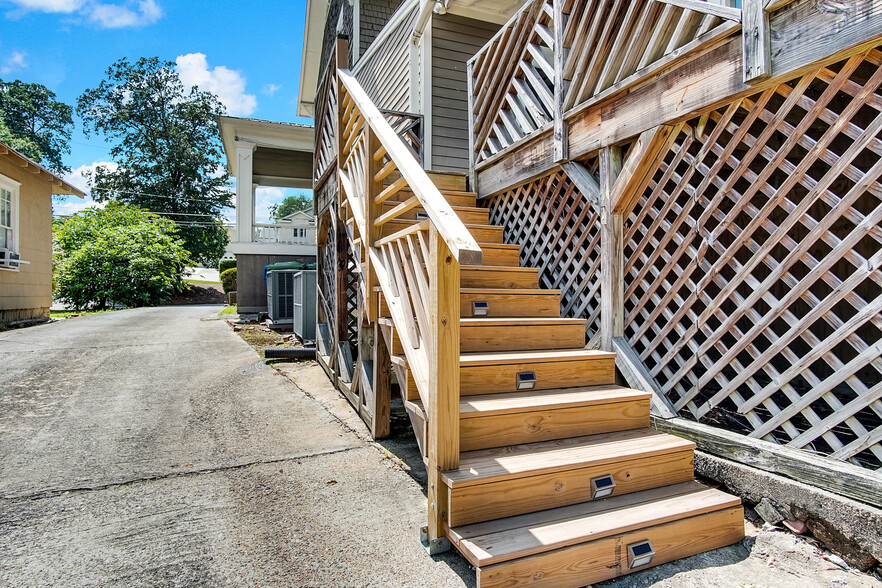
(417, 269)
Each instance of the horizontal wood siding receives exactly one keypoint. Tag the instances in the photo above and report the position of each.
(455, 39)
(385, 75)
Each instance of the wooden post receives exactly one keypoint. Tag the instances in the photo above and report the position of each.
(382, 386)
(756, 37)
(561, 141)
(443, 409)
(473, 157)
(612, 287)
(371, 212)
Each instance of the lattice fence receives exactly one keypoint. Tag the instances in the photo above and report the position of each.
(753, 288)
(559, 232)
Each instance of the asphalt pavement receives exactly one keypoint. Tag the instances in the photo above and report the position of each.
(152, 447)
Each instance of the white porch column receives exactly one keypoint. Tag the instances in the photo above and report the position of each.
(245, 191)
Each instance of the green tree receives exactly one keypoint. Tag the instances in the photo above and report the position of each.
(35, 123)
(119, 254)
(290, 205)
(168, 149)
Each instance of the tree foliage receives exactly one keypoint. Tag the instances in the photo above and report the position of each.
(290, 205)
(119, 254)
(35, 124)
(167, 147)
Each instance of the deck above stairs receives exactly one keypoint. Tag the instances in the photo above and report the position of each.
(561, 482)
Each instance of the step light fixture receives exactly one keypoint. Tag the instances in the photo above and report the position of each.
(602, 486)
(421, 216)
(480, 308)
(640, 554)
(526, 380)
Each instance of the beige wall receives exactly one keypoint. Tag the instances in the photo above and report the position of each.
(27, 293)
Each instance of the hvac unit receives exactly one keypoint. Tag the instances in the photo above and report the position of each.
(9, 260)
(280, 296)
(304, 305)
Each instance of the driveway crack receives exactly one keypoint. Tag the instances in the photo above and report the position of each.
(51, 493)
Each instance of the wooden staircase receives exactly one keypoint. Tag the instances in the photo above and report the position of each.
(541, 470)
(561, 481)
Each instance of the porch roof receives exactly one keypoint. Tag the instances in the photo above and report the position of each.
(282, 152)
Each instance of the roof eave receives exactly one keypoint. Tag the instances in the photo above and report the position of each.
(313, 37)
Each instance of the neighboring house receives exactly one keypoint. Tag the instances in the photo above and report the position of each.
(26, 190)
(525, 203)
(269, 154)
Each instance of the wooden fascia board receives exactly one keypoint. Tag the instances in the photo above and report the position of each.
(724, 12)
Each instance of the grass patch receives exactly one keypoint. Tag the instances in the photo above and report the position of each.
(60, 314)
(230, 310)
(200, 282)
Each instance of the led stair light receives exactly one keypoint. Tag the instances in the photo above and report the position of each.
(480, 308)
(421, 216)
(602, 486)
(640, 554)
(526, 380)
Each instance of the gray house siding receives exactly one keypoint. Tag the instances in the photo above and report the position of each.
(374, 14)
(385, 74)
(455, 39)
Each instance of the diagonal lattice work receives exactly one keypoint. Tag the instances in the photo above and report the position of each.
(558, 231)
(753, 290)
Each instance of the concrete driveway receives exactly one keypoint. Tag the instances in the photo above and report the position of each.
(153, 447)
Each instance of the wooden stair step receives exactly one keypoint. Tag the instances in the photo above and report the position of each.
(478, 276)
(520, 333)
(498, 420)
(502, 302)
(453, 197)
(448, 180)
(481, 233)
(467, 214)
(489, 373)
(507, 481)
(587, 543)
(531, 459)
(511, 334)
(501, 254)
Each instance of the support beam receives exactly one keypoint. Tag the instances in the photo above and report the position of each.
(637, 376)
(245, 191)
(643, 159)
(755, 32)
(382, 386)
(584, 180)
(612, 285)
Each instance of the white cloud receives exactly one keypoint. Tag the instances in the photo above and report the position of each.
(270, 89)
(65, 6)
(129, 13)
(264, 198)
(17, 60)
(79, 177)
(74, 205)
(227, 84)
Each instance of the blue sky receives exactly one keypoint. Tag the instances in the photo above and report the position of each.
(246, 52)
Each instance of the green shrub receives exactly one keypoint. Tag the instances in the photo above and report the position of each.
(226, 264)
(228, 280)
(119, 254)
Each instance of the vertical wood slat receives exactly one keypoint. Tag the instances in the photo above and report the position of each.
(443, 411)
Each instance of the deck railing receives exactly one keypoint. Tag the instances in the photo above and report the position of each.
(417, 267)
(554, 57)
(281, 233)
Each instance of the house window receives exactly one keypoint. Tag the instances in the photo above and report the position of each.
(8, 214)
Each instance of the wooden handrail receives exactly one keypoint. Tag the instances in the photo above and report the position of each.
(462, 245)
